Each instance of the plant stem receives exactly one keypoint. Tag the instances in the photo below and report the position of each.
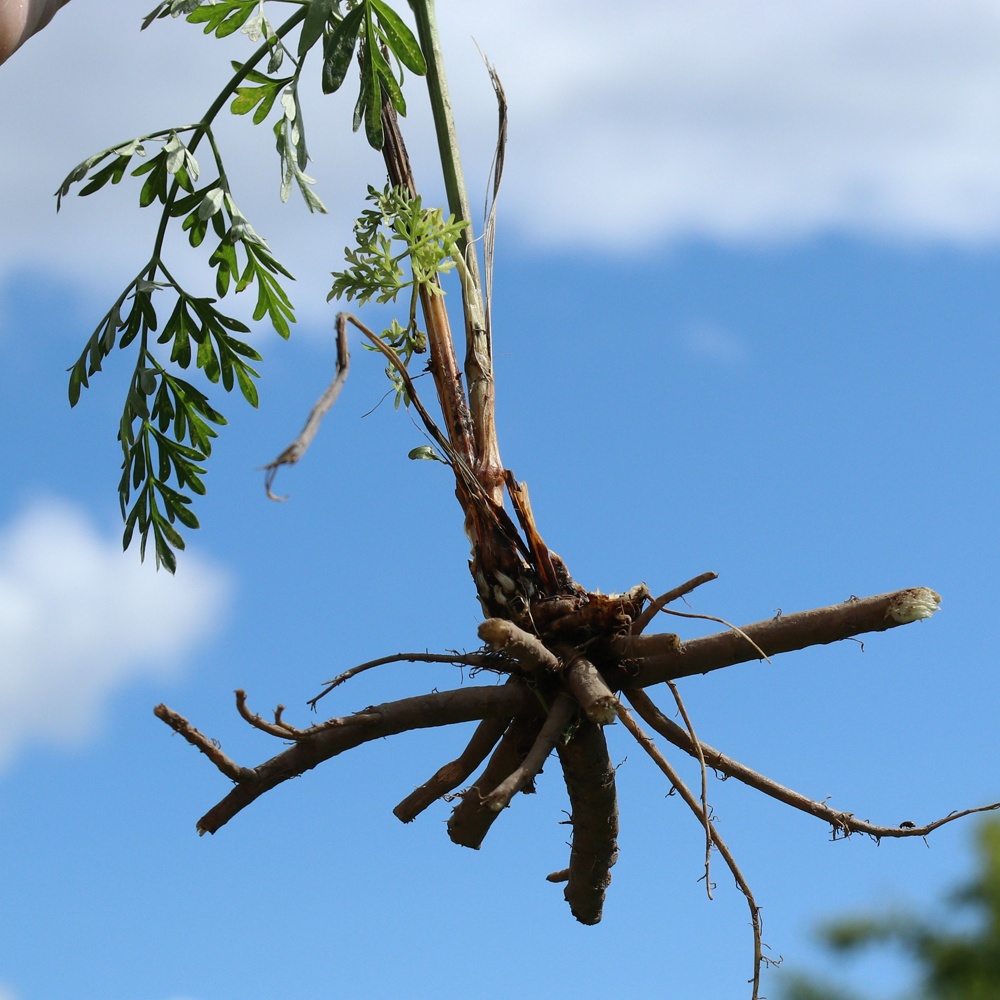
(478, 357)
(444, 123)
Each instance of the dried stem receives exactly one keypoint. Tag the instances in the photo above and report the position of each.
(298, 447)
(500, 537)
(444, 363)
(280, 729)
(496, 175)
(394, 359)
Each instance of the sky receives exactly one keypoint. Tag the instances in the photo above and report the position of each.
(746, 319)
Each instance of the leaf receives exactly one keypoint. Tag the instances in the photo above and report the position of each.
(185, 515)
(262, 97)
(196, 229)
(235, 21)
(320, 11)
(77, 379)
(207, 360)
(155, 188)
(113, 171)
(180, 162)
(390, 84)
(339, 48)
(168, 531)
(164, 555)
(425, 453)
(359, 109)
(238, 347)
(130, 328)
(74, 176)
(130, 524)
(371, 89)
(222, 17)
(234, 324)
(247, 387)
(224, 259)
(211, 203)
(246, 99)
(399, 38)
(160, 10)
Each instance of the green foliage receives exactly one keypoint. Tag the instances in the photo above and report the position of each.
(374, 28)
(950, 965)
(167, 425)
(290, 141)
(260, 96)
(398, 230)
(429, 245)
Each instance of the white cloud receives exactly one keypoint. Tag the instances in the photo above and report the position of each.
(647, 120)
(7, 994)
(79, 620)
(747, 121)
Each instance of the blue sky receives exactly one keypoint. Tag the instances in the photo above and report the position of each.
(746, 317)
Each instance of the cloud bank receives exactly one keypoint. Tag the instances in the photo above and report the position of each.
(79, 620)
(631, 126)
(734, 121)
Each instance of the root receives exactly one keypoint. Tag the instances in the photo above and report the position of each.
(449, 777)
(759, 959)
(559, 693)
(471, 819)
(590, 783)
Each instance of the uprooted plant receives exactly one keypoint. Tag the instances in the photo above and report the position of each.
(571, 658)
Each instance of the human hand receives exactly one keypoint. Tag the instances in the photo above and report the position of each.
(20, 19)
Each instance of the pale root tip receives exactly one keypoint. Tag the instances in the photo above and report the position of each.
(912, 605)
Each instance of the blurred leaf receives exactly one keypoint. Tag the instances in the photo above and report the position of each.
(951, 961)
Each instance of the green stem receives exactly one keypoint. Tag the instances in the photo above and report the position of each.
(478, 358)
(444, 120)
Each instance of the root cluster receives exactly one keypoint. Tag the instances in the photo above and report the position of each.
(563, 686)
